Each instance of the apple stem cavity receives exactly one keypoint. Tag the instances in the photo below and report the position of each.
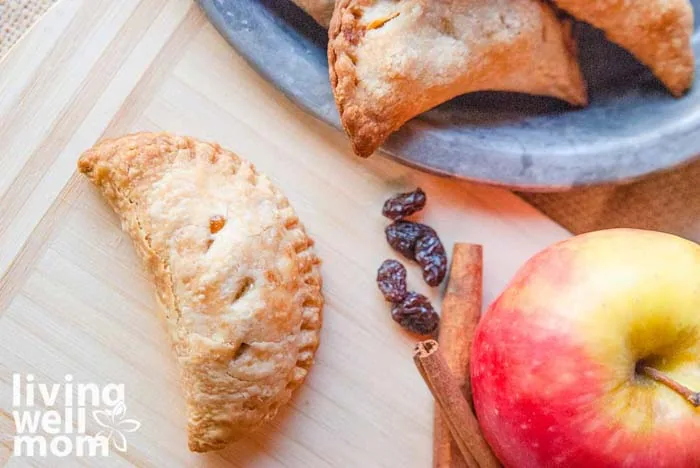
(692, 397)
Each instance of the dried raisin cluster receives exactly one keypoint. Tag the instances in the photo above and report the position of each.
(411, 310)
(415, 241)
(421, 244)
(403, 236)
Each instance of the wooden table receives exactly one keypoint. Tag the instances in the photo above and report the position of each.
(74, 299)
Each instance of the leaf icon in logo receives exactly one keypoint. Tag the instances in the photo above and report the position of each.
(118, 412)
(119, 441)
(103, 418)
(115, 425)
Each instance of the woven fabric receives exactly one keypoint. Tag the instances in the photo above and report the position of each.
(665, 202)
(16, 17)
(668, 202)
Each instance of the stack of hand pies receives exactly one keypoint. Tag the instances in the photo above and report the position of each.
(390, 60)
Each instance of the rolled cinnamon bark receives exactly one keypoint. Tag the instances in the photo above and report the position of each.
(457, 414)
(461, 309)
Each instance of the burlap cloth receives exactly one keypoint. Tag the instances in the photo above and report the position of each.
(16, 17)
(666, 202)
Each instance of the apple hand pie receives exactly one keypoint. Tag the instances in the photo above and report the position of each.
(319, 10)
(390, 61)
(657, 32)
(235, 273)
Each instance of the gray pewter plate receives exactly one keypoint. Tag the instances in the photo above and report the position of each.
(631, 128)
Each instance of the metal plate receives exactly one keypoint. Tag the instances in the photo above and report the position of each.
(631, 128)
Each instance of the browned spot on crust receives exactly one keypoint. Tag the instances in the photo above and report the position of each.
(216, 223)
(379, 22)
(447, 27)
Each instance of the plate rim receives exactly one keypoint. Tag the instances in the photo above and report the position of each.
(402, 152)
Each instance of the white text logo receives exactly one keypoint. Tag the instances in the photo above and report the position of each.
(43, 428)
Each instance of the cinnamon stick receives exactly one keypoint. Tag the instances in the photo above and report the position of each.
(461, 309)
(455, 410)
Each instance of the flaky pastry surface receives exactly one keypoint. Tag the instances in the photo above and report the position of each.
(235, 273)
(657, 32)
(390, 61)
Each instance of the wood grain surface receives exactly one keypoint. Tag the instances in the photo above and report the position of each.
(75, 300)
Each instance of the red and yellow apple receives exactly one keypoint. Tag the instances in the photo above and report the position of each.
(584, 359)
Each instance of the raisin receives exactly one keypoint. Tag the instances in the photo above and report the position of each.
(391, 279)
(416, 314)
(404, 204)
(432, 258)
(403, 235)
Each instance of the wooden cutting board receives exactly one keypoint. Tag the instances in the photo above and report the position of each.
(74, 299)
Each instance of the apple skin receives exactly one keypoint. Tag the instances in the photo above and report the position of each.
(554, 357)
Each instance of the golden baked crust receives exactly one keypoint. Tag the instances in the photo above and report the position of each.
(319, 10)
(657, 32)
(235, 273)
(390, 61)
